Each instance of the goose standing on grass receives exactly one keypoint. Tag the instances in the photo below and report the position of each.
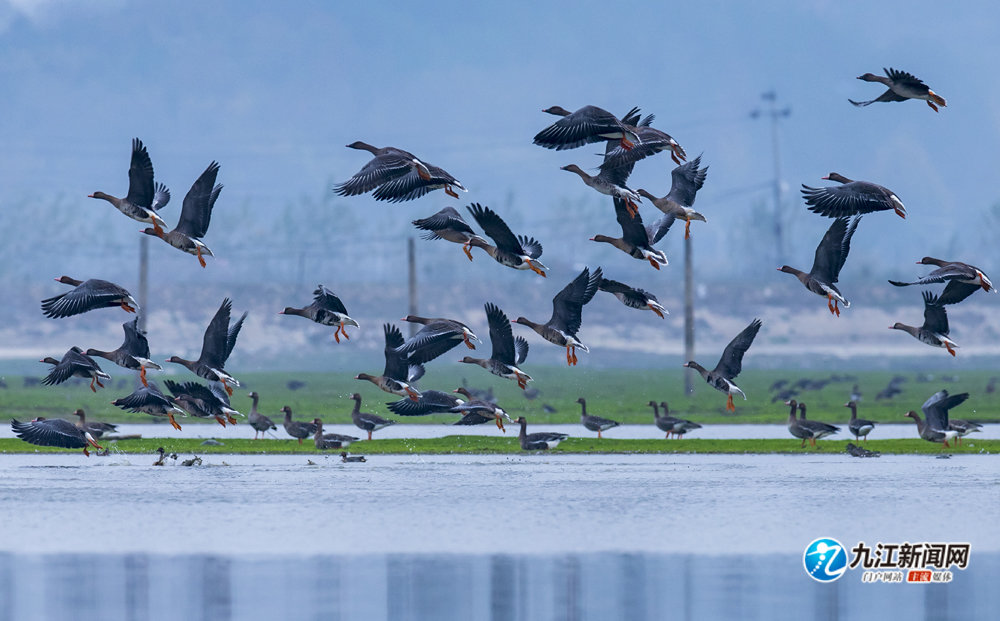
(819, 429)
(217, 345)
(860, 427)
(853, 198)
(478, 411)
(133, 353)
(367, 421)
(196, 215)
(449, 225)
(144, 197)
(437, 336)
(586, 125)
(678, 426)
(937, 428)
(633, 297)
(831, 254)
(299, 430)
(87, 295)
(567, 314)
(902, 86)
(95, 428)
(795, 427)
(203, 401)
(398, 175)
(934, 331)
(54, 432)
(149, 400)
(326, 310)
(594, 423)
(260, 423)
(74, 363)
(686, 180)
(519, 252)
(508, 352)
(963, 279)
(637, 240)
(325, 441)
(397, 373)
(730, 364)
(541, 441)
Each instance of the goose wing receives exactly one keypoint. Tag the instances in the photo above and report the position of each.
(935, 316)
(567, 306)
(833, 249)
(496, 229)
(50, 432)
(446, 219)
(196, 211)
(140, 176)
(731, 362)
(501, 335)
(388, 165)
(135, 343)
(87, 296)
(686, 180)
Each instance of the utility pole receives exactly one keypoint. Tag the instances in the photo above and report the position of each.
(688, 317)
(411, 256)
(775, 114)
(143, 280)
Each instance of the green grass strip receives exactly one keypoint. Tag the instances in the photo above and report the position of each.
(486, 445)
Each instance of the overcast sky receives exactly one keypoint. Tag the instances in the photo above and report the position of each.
(275, 90)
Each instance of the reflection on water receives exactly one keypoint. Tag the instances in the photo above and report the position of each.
(462, 587)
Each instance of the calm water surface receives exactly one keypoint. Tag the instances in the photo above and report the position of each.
(492, 537)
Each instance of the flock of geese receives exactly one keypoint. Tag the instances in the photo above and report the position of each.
(395, 175)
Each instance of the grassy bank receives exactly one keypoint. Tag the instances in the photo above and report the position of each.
(621, 394)
(494, 445)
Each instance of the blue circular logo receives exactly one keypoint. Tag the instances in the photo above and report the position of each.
(825, 559)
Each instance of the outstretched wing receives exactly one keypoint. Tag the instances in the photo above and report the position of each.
(496, 229)
(904, 78)
(567, 306)
(935, 317)
(731, 362)
(382, 168)
(659, 229)
(49, 432)
(955, 291)
(501, 335)
(833, 249)
(325, 299)
(396, 365)
(937, 406)
(232, 333)
(521, 350)
(851, 199)
(633, 230)
(686, 180)
(884, 97)
(161, 196)
(446, 219)
(135, 339)
(214, 345)
(140, 176)
(196, 211)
